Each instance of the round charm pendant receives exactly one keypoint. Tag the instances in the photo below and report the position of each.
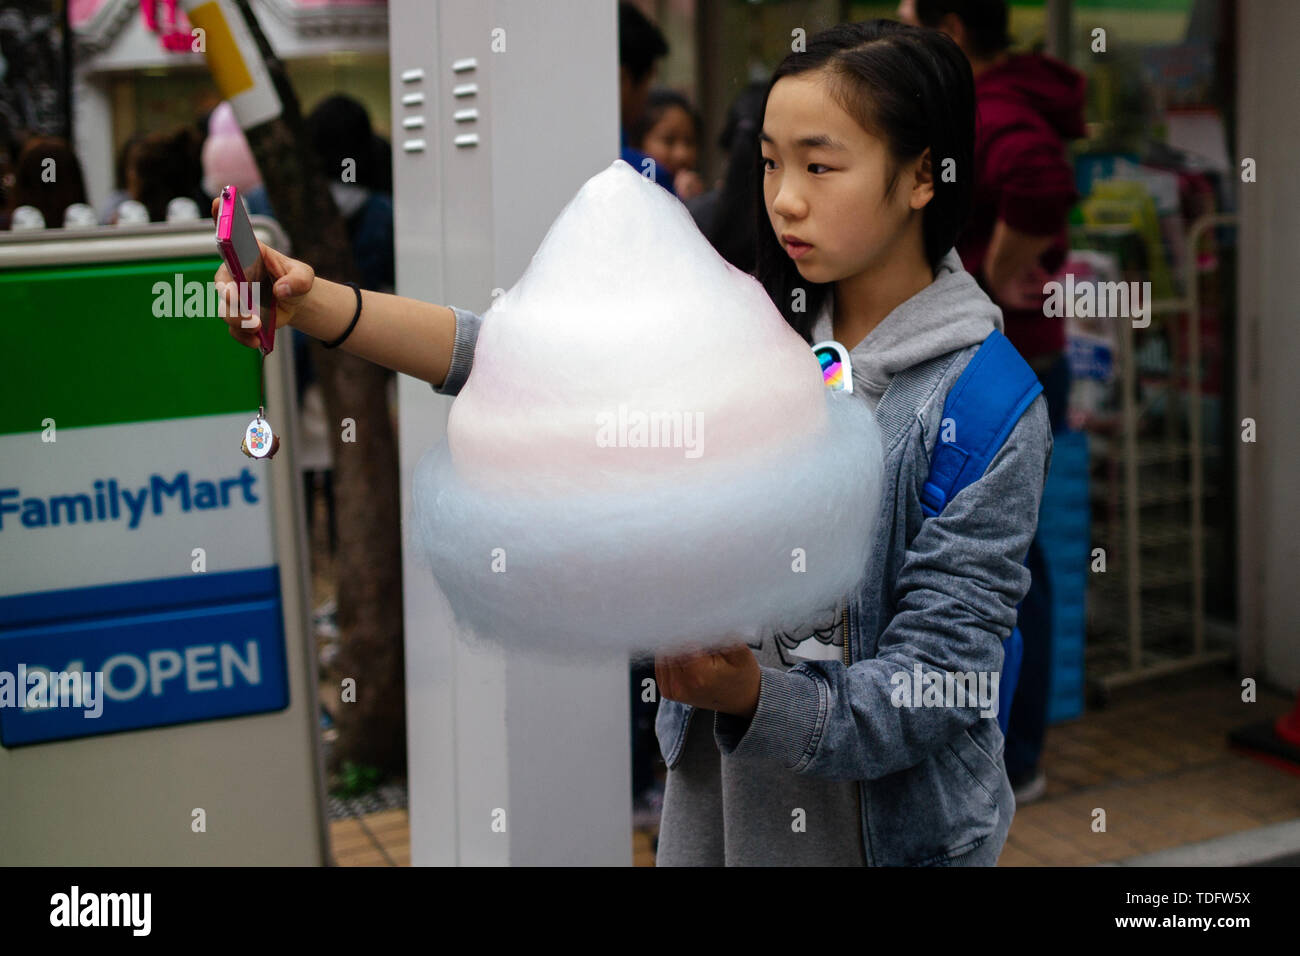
(259, 441)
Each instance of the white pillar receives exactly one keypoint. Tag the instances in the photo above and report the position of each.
(546, 744)
(1268, 46)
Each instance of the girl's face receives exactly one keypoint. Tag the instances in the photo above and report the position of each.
(671, 141)
(830, 192)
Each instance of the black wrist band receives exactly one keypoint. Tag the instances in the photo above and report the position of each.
(351, 325)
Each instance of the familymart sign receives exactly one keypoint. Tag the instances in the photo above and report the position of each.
(136, 545)
(107, 500)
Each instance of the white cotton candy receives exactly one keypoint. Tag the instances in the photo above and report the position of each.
(644, 455)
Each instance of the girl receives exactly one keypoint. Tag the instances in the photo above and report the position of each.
(668, 131)
(810, 754)
(800, 749)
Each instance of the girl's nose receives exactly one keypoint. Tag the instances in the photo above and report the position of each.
(788, 205)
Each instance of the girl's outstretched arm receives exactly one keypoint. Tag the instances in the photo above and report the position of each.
(406, 335)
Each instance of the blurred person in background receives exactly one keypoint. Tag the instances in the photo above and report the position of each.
(381, 153)
(1028, 106)
(668, 131)
(165, 166)
(344, 143)
(49, 178)
(10, 146)
(108, 208)
(640, 46)
(724, 213)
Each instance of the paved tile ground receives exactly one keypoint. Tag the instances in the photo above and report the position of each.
(1155, 760)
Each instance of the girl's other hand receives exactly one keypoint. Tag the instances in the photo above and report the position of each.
(726, 679)
(293, 280)
(1023, 292)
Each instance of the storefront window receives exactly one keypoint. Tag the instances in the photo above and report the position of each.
(1157, 187)
(153, 100)
(1152, 559)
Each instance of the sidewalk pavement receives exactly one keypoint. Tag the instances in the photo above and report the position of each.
(1155, 759)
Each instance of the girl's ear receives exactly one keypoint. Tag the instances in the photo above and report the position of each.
(922, 181)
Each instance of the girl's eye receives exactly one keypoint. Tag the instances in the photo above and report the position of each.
(811, 166)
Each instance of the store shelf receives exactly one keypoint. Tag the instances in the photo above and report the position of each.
(1152, 479)
(1155, 535)
(1160, 490)
(1155, 575)
(1150, 451)
(1167, 647)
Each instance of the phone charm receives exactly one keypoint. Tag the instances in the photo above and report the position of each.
(259, 440)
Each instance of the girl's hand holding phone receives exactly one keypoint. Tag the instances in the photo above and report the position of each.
(293, 280)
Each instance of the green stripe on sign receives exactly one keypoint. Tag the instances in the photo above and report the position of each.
(85, 348)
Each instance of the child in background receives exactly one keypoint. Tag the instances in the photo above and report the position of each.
(668, 131)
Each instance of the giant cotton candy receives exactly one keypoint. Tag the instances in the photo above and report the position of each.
(644, 455)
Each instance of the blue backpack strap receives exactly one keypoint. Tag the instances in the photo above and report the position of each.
(1013, 653)
(982, 408)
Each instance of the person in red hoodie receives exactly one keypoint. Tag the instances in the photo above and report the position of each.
(1027, 107)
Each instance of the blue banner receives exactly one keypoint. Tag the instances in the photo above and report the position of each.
(98, 670)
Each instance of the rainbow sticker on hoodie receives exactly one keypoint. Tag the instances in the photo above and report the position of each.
(837, 371)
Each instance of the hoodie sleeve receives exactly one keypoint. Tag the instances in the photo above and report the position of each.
(956, 597)
(462, 352)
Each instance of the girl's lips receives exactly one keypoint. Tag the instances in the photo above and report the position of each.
(797, 249)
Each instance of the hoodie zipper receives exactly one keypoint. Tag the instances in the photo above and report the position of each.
(848, 660)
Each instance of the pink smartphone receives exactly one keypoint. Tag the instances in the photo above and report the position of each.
(239, 249)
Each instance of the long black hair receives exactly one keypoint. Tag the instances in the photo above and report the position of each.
(729, 226)
(911, 87)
